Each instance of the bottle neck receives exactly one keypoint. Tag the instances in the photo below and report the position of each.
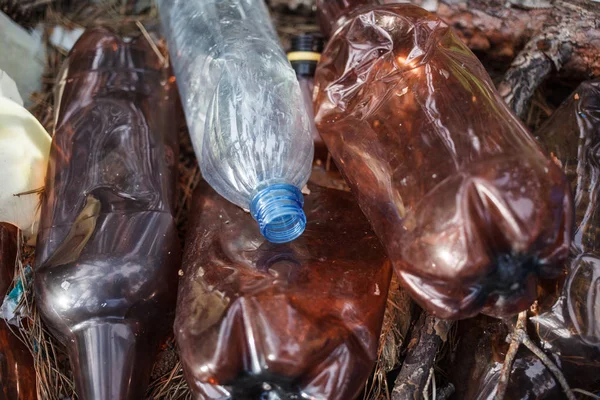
(305, 53)
(333, 13)
(278, 211)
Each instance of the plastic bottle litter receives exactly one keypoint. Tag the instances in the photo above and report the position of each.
(17, 375)
(569, 323)
(304, 55)
(244, 108)
(24, 148)
(477, 363)
(470, 211)
(258, 320)
(108, 253)
(567, 317)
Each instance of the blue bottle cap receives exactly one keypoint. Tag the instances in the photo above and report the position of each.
(278, 211)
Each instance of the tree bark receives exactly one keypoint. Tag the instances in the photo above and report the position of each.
(428, 335)
(539, 36)
(502, 28)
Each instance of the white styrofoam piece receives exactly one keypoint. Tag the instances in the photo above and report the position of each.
(24, 149)
(64, 38)
(8, 88)
(22, 56)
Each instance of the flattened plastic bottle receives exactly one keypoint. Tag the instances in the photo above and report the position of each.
(17, 375)
(288, 321)
(244, 108)
(471, 213)
(107, 254)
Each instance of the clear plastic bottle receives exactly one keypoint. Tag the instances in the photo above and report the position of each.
(304, 55)
(244, 108)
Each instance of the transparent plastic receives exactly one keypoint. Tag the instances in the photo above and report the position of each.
(107, 253)
(301, 320)
(242, 102)
(307, 86)
(471, 212)
(304, 54)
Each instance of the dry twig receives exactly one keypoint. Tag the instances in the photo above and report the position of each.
(159, 54)
(518, 337)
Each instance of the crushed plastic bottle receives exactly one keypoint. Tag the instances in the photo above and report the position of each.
(17, 375)
(566, 320)
(107, 254)
(477, 361)
(257, 320)
(244, 108)
(470, 211)
(569, 323)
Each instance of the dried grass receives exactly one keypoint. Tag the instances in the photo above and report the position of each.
(54, 381)
(171, 385)
(396, 322)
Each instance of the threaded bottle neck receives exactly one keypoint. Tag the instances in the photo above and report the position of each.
(278, 211)
(308, 42)
(305, 53)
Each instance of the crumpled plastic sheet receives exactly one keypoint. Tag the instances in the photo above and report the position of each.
(8, 309)
(300, 319)
(22, 56)
(470, 211)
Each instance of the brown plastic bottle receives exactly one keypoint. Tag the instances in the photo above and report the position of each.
(569, 323)
(17, 375)
(107, 251)
(470, 211)
(256, 320)
(566, 322)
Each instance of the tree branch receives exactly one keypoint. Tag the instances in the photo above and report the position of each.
(428, 334)
(518, 337)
